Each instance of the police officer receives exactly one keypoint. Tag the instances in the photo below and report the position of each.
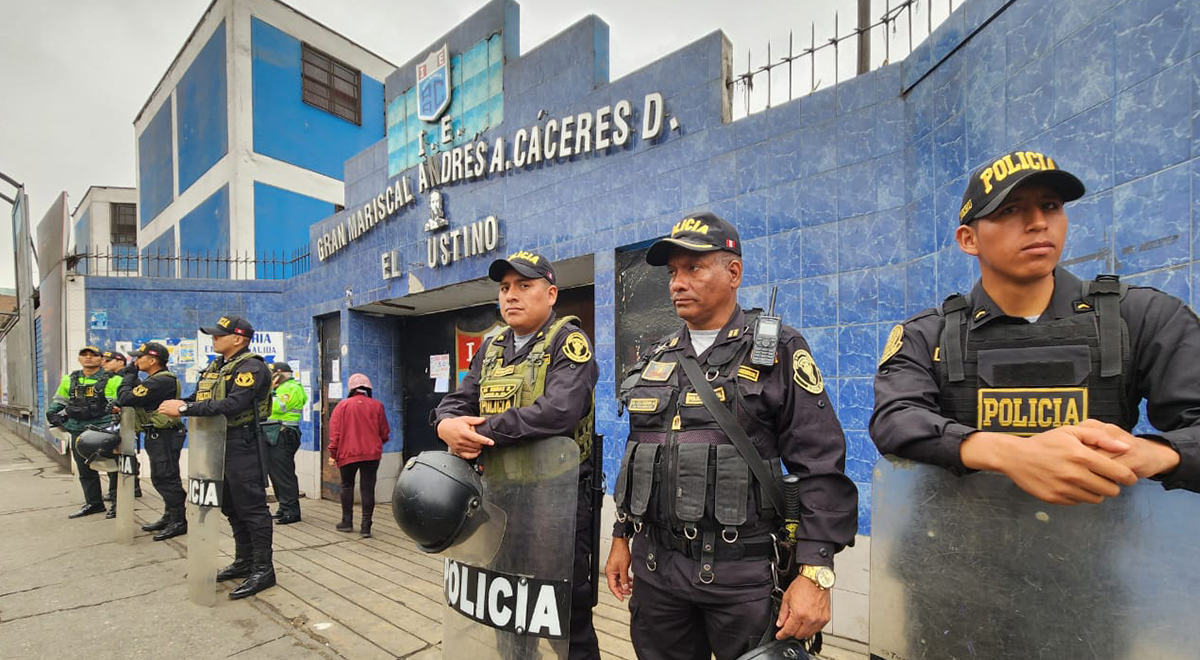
(1034, 351)
(237, 384)
(695, 520)
(114, 362)
(558, 403)
(84, 398)
(164, 435)
(283, 435)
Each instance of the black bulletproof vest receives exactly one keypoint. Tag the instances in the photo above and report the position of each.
(1010, 376)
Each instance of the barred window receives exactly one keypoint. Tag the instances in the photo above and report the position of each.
(331, 85)
(124, 224)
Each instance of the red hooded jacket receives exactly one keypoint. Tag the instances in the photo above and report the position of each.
(357, 430)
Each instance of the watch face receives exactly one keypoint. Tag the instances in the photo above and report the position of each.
(825, 578)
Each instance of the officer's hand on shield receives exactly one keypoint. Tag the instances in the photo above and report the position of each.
(170, 407)
(459, 435)
(1146, 457)
(804, 611)
(1060, 466)
(616, 569)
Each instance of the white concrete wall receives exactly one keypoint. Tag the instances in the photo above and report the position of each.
(96, 201)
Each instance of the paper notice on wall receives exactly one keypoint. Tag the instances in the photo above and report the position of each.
(306, 413)
(335, 390)
(335, 370)
(439, 366)
(191, 375)
(442, 384)
(125, 347)
(306, 378)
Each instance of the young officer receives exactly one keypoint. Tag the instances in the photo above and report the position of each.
(283, 428)
(1033, 351)
(84, 398)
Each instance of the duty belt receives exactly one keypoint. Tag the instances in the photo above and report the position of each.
(758, 547)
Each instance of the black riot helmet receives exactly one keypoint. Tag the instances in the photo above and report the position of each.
(97, 443)
(435, 497)
(777, 649)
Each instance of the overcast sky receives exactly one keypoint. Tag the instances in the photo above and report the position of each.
(74, 74)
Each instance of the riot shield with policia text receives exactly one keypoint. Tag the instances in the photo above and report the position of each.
(126, 469)
(206, 476)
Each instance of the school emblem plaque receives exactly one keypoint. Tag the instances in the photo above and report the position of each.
(433, 85)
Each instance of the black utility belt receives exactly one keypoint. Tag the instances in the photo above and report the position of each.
(158, 430)
(757, 547)
(244, 429)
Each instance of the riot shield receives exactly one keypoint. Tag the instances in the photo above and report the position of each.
(973, 566)
(206, 475)
(126, 460)
(517, 605)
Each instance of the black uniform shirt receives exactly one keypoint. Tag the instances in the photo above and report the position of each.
(809, 439)
(148, 397)
(1164, 337)
(240, 391)
(566, 400)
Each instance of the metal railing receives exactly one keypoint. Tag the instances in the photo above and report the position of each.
(123, 261)
(903, 25)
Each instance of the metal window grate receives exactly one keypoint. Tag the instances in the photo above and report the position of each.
(126, 261)
(124, 224)
(331, 85)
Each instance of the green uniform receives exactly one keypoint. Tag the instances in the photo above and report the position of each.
(84, 387)
(287, 402)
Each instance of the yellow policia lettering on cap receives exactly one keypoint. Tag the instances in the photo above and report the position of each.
(524, 256)
(1026, 160)
(140, 390)
(689, 224)
(142, 348)
(576, 348)
(894, 341)
(244, 379)
(966, 208)
(805, 372)
(224, 322)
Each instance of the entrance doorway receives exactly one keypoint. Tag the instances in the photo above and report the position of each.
(329, 347)
(435, 334)
(643, 310)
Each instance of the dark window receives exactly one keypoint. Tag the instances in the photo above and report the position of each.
(124, 224)
(331, 85)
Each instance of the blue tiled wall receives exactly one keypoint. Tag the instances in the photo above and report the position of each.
(282, 218)
(203, 111)
(287, 128)
(155, 166)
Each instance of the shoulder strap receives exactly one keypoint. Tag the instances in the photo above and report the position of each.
(733, 430)
(954, 309)
(1108, 291)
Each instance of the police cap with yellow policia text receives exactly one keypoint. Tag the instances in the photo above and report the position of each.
(991, 184)
(229, 325)
(702, 232)
(527, 264)
(154, 349)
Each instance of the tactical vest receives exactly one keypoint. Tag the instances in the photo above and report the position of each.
(503, 387)
(212, 386)
(680, 471)
(1026, 378)
(87, 401)
(147, 418)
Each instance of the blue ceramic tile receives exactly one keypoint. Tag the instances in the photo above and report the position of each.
(1150, 35)
(1153, 124)
(784, 159)
(1085, 72)
(819, 301)
(856, 189)
(787, 302)
(956, 272)
(856, 350)
(1082, 145)
(751, 218)
(986, 127)
(984, 63)
(817, 199)
(950, 149)
(891, 130)
(918, 160)
(711, 180)
(1175, 281)
(871, 240)
(920, 233)
(1030, 93)
(947, 202)
(818, 107)
(1152, 227)
(892, 292)
(755, 260)
(889, 181)
(783, 213)
(1089, 248)
(752, 165)
(819, 148)
(823, 344)
(1030, 30)
(856, 93)
(856, 397)
(858, 295)
(820, 250)
(856, 136)
(786, 255)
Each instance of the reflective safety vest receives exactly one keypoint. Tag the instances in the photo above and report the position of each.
(289, 412)
(1026, 378)
(152, 418)
(503, 387)
(213, 383)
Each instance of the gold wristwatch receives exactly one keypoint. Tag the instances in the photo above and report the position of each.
(822, 576)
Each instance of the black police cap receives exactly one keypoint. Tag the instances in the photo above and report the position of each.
(229, 325)
(702, 232)
(991, 184)
(527, 264)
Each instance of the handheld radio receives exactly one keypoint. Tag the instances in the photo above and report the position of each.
(766, 335)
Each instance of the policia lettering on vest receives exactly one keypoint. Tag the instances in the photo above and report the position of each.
(535, 379)
(698, 500)
(237, 384)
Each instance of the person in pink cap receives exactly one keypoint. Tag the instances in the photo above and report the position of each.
(357, 431)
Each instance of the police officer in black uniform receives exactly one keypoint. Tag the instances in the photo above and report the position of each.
(695, 522)
(114, 362)
(528, 291)
(237, 384)
(1033, 351)
(163, 435)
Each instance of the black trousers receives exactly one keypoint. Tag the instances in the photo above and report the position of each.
(282, 470)
(584, 644)
(89, 479)
(367, 470)
(164, 447)
(244, 496)
(666, 625)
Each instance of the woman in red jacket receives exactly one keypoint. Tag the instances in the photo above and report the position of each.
(357, 430)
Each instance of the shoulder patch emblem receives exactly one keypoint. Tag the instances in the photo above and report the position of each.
(244, 379)
(140, 390)
(895, 340)
(805, 372)
(576, 348)
(658, 371)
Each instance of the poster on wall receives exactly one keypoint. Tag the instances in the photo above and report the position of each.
(267, 344)
(466, 345)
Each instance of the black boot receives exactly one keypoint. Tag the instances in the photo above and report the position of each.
(176, 527)
(158, 524)
(262, 576)
(112, 512)
(366, 529)
(240, 568)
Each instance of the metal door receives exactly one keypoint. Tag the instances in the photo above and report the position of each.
(329, 333)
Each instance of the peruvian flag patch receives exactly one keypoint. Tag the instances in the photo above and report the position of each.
(729, 243)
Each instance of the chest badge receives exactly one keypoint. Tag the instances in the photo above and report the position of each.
(805, 372)
(895, 341)
(658, 371)
(244, 379)
(576, 348)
